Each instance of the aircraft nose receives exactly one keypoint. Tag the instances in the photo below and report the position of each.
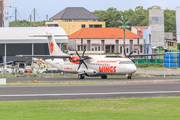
(133, 69)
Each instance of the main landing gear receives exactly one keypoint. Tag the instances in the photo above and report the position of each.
(81, 76)
(104, 77)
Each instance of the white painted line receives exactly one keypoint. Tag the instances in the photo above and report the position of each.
(73, 94)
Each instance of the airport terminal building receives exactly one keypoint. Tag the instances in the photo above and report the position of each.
(17, 40)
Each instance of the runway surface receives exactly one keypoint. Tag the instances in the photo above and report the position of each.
(56, 92)
(97, 79)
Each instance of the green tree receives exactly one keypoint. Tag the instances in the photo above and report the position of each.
(140, 17)
(25, 23)
(111, 16)
(170, 21)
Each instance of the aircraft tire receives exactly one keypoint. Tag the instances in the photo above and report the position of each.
(128, 77)
(104, 77)
(80, 76)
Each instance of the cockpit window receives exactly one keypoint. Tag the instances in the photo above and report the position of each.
(125, 62)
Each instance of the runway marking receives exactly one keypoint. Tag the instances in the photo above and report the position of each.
(73, 94)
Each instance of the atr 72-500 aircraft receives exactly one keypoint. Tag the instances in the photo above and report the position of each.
(90, 65)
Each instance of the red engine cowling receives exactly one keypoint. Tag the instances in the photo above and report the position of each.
(121, 56)
(74, 57)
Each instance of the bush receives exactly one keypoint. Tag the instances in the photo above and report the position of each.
(143, 65)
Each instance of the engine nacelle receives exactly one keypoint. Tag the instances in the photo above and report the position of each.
(91, 72)
(74, 57)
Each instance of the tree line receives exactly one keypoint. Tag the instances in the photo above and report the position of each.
(137, 17)
(113, 18)
(25, 23)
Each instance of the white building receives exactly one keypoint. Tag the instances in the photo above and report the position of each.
(16, 41)
(105, 40)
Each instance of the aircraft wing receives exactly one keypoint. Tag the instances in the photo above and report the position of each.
(45, 56)
(50, 56)
(141, 55)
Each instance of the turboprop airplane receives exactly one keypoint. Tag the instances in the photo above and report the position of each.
(88, 65)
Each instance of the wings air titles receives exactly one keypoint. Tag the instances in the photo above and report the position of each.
(105, 68)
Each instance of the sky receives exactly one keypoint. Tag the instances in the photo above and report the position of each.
(52, 7)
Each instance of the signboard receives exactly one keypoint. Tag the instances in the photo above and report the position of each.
(136, 47)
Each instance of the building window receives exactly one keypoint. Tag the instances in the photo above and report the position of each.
(99, 48)
(64, 47)
(83, 26)
(92, 49)
(97, 26)
(138, 41)
(81, 41)
(95, 48)
(127, 50)
(90, 26)
(79, 48)
(140, 48)
(120, 49)
(84, 47)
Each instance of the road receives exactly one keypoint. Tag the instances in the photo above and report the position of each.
(59, 92)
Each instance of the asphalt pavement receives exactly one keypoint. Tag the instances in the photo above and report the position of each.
(60, 92)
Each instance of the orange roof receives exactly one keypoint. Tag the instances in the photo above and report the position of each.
(102, 33)
(140, 28)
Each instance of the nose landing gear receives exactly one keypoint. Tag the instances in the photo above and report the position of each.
(128, 76)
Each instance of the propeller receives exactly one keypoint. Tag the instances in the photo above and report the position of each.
(81, 59)
(129, 54)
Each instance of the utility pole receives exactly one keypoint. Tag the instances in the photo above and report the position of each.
(46, 17)
(30, 20)
(34, 17)
(15, 17)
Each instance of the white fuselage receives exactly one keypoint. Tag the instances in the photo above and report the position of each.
(99, 65)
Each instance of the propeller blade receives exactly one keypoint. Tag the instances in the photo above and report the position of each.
(76, 60)
(84, 52)
(133, 61)
(78, 54)
(130, 53)
(85, 65)
(80, 62)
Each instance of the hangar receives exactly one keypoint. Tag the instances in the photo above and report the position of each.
(17, 40)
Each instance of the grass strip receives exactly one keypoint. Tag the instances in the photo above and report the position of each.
(165, 108)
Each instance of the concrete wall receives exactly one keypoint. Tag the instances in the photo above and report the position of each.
(134, 30)
(178, 24)
(73, 26)
(147, 46)
(6, 13)
(1, 13)
(156, 22)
